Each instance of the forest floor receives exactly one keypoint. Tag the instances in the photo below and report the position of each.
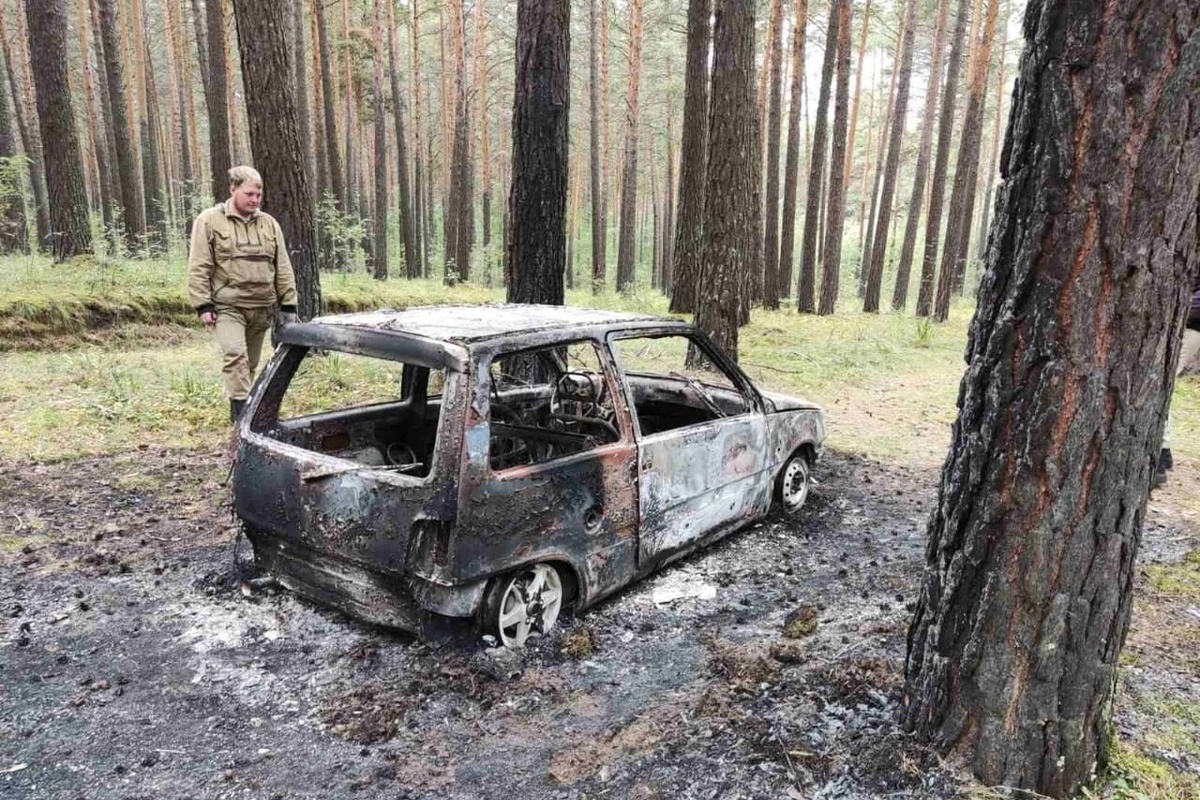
(135, 663)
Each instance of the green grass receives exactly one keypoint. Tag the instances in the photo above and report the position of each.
(1179, 580)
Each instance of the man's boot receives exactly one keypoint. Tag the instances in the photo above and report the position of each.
(235, 409)
(1165, 462)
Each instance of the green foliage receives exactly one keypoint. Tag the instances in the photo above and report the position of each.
(344, 232)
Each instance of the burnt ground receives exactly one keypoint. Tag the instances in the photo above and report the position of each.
(134, 663)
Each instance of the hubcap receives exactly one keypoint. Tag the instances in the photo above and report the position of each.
(530, 605)
(795, 484)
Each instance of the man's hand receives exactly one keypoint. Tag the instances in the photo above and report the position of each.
(287, 318)
(209, 318)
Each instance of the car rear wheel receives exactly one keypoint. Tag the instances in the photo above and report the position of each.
(523, 604)
(792, 490)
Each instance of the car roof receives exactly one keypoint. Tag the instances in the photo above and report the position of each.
(477, 323)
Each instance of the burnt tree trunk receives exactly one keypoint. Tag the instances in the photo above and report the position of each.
(70, 229)
(937, 194)
(626, 266)
(879, 248)
(1014, 645)
(537, 201)
(806, 289)
(685, 267)
(275, 138)
(791, 170)
(732, 238)
(836, 211)
(771, 288)
(900, 291)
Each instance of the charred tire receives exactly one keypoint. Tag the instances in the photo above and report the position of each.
(791, 488)
(526, 602)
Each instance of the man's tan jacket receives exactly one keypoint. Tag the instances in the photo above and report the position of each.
(238, 262)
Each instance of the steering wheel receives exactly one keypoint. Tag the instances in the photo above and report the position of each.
(577, 387)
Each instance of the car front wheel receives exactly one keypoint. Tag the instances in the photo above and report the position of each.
(522, 604)
(792, 490)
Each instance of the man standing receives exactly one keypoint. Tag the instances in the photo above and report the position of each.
(238, 270)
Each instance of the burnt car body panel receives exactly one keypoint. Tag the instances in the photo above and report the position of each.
(399, 549)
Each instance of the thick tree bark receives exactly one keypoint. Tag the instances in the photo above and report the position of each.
(836, 211)
(537, 201)
(626, 266)
(806, 289)
(771, 288)
(599, 223)
(13, 238)
(220, 157)
(937, 194)
(732, 237)
(689, 240)
(791, 174)
(47, 30)
(1014, 646)
(917, 200)
(267, 71)
(879, 247)
(962, 196)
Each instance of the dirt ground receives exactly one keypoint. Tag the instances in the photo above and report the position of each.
(135, 664)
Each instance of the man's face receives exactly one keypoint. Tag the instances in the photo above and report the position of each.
(246, 198)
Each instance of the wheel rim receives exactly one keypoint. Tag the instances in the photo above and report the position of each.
(530, 605)
(795, 484)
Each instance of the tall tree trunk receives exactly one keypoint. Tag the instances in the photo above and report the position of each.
(962, 195)
(332, 148)
(732, 237)
(275, 137)
(69, 224)
(183, 103)
(880, 155)
(86, 29)
(379, 254)
(858, 73)
(1014, 646)
(537, 201)
(25, 114)
(220, 156)
(994, 157)
(133, 204)
(879, 248)
(668, 232)
(420, 173)
(937, 194)
(152, 167)
(836, 210)
(460, 211)
(796, 125)
(770, 294)
(599, 224)
(626, 267)
(299, 15)
(13, 237)
(481, 92)
(605, 128)
(404, 202)
(805, 291)
(900, 292)
(689, 240)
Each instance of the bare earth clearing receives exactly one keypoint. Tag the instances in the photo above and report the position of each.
(132, 664)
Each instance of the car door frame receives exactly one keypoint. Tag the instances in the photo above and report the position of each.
(675, 516)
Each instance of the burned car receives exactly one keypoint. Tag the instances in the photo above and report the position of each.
(503, 462)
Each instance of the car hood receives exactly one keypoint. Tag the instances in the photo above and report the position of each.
(784, 402)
